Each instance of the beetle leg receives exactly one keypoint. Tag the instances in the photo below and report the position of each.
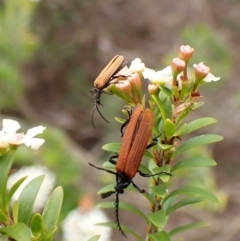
(138, 188)
(155, 174)
(102, 169)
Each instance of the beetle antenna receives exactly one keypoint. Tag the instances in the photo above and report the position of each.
(96, 108)
(116, 214)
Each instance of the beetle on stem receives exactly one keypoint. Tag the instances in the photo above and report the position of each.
(135, 142)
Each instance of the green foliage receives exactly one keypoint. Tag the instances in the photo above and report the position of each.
(16, 220)
(171, 106)
(17, 45)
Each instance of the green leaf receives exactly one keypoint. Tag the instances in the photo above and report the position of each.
(106, 189)
(120, 120)
(112, 147)
(198, 124)
(195, 161)
(15, 211)
(52, 210)
(49, 236)
(188, 227)
(5, 166)
(124, 206)
(18, 232)
(124, 228)
(169, 128)
(14, 188)
(163, 236)
(166, 90)
(182, 203)
(160, 107)
(27, 198)
(204, 194)
(94, 238)
(164, 177)
(109, 165)
(165, 147)
(160, 190)
(37, 226)
(158, 218)
(3, 218)
(197, 141)
(166, 205)
(180, 130)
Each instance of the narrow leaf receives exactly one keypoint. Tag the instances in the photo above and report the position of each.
(169, 128)
(15, 210)
(180, 130)
(37, 226)
(18, 232)
(204, 194)
(27, 198)
(188, 227)
(182, 203)
(94, 238)
(165, 147)
(195, 161)
(198, 124)
(158, 218)
(124, 228)
(112, 147)
(14, 188)
(160, 107)
(166, 91)
(120, 120)
(5, 166)
(124, 206)
(197, 141)
(49, 236)
(106, 189)
(163, 236)
(52, 210)
(3, 218)
(160, 190)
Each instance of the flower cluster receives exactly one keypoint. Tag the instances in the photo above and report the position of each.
(174, 77)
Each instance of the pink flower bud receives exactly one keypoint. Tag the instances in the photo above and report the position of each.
(178, 66)
(135, 81)
(153, 89)
(186, 52)
(201, 71)
(124, 87)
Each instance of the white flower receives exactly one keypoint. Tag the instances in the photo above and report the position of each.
(79, 225)
(137, 65)
(29, 139)
(158, 77)
(8, 134)
(162, 77)
(210, 77)
(33, 172)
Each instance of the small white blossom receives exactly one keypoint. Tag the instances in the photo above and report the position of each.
(32, 172)
(29, 139)
(158, 77)
(210, 77)
(162, 77)
(137, 65)
(8, 134)
(79, 225)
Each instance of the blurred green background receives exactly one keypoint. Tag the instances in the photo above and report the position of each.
(51, 52)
